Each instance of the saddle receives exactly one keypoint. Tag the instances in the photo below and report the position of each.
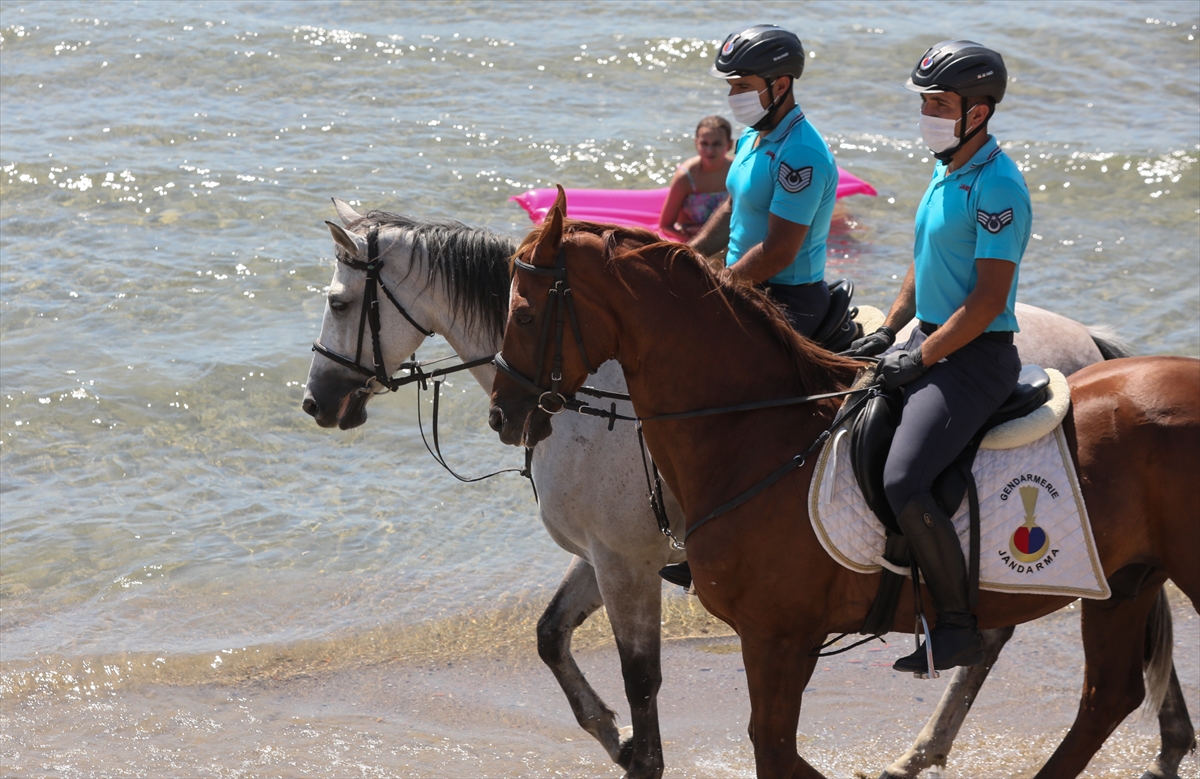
(871, 437)
(838, 328)
(873, 430)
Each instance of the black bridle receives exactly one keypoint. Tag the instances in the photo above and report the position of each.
(370, 316)
(380, 376)
(559, 304)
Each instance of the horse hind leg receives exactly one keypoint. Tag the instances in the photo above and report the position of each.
(1165, 695)
(1113, 647)
(1178, 735)
(577, 598)
(934, 742)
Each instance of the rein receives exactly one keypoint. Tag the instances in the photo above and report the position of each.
(416, 375)
(560, 299)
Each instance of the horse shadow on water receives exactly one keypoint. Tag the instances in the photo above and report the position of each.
(443, 277)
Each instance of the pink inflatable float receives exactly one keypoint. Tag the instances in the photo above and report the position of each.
(636, 207)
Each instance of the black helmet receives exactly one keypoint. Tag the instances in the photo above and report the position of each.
(962, 67)
(763, 50)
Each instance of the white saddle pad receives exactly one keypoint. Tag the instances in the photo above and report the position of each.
(1035, 537)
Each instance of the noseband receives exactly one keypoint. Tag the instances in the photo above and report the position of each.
(559, 303)
(370, 315)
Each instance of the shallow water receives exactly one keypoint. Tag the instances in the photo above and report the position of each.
(168, 514)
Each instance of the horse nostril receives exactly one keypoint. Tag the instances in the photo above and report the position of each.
(310, 406)
(496, 418)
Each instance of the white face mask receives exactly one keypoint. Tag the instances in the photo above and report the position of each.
(747, 107)
(938, 133)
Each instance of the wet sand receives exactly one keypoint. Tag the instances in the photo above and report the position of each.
(504, 716)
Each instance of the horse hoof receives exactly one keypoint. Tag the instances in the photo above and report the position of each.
(626, 754)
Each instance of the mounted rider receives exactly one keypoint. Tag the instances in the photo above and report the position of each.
(783, 180)
(782, 187)
(959, 365)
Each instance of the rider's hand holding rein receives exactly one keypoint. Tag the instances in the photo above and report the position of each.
(877, 342)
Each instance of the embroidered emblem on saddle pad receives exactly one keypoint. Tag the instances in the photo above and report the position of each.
(796, 179)
(1035, 537)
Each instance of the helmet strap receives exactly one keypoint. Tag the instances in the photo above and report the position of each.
(948, 154)
(768, 119)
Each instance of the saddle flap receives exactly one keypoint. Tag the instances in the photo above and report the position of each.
(870, 439)
(837, 329)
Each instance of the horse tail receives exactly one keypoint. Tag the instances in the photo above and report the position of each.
(1157, 660)
(1111, 345)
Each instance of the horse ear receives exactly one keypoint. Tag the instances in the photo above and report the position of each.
(546, 250)
(347, 214)
(345, 240)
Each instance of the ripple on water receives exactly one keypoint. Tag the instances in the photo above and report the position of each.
(165, 173)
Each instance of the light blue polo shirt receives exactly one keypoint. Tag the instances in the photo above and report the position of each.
(980, 211)
(790, 173)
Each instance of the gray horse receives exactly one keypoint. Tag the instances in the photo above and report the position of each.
(448, 278)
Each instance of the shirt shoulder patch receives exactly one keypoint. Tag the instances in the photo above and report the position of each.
(796, 179)
(994, 223)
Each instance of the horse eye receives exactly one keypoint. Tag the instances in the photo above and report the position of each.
(337, 305)
(524, 319)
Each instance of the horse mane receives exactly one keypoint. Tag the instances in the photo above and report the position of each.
(815, 368)
(472, 263)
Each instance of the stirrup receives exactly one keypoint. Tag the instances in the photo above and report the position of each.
(931, 671)
(918, 663)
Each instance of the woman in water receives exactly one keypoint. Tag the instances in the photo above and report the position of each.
(699, 183)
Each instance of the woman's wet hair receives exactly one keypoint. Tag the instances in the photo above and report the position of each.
(716, 123)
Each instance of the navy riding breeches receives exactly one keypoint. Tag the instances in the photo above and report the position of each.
(805, 305)
(942, 411)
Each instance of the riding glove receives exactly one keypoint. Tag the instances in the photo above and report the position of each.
(873, 344)
(899, 368)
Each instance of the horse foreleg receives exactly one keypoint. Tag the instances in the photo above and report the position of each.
(1113, 645)
(937, 737)
(577, 598)
(633, 597)
(777, 671)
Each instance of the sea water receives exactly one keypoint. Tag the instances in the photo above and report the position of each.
(169, 516)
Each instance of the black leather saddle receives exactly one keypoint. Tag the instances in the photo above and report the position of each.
(838, 328)
(875, 427)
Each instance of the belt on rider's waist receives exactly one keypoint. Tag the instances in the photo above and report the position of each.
(998, 336)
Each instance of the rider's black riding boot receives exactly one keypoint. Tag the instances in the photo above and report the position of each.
(934, 544)
(678, 573)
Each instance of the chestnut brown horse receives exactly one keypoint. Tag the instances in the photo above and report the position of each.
(688, 339)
